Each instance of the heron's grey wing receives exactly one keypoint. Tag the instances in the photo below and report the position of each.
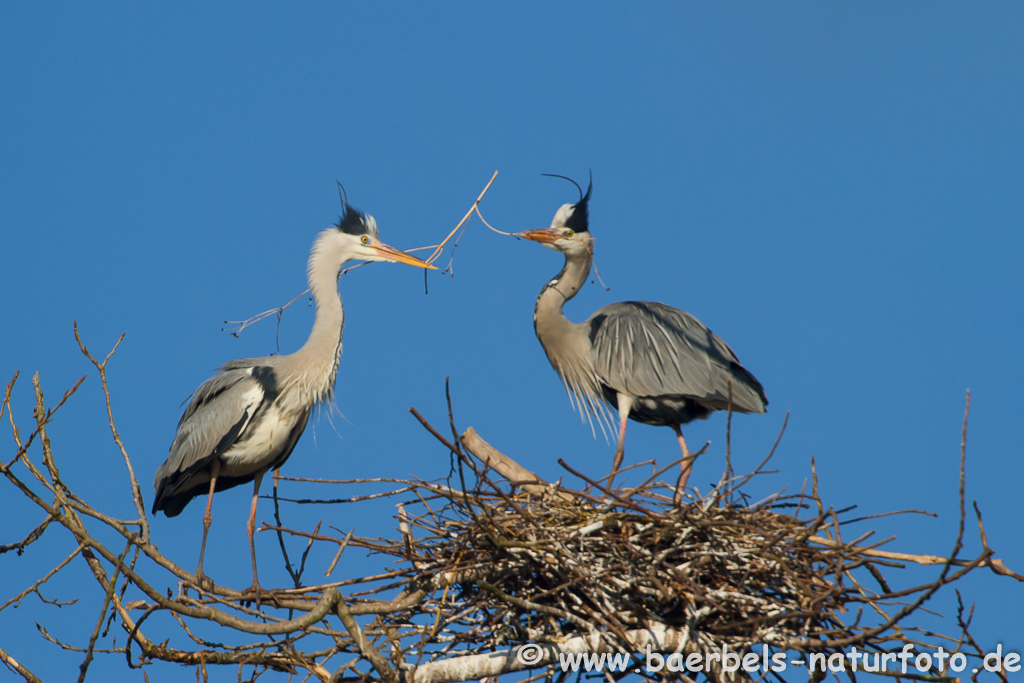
(218, 413)
(644, 348)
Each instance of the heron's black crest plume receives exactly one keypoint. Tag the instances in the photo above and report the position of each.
(563, 177)
(353, 221)
(579, 221)
(342, 195)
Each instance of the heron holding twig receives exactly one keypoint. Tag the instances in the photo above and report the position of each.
(246, 419)
(653, 363)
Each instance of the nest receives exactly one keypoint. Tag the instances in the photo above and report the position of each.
(508, 560)
(543, 568)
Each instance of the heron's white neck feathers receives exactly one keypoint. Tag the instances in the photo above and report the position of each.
(567, 344)
(314, 367)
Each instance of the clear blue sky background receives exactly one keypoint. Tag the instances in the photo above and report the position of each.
(835, 189)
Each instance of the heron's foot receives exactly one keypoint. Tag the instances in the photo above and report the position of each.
(202, 581)
(257, 593)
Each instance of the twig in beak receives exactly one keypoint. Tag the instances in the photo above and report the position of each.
(509, 234)
(440, 247)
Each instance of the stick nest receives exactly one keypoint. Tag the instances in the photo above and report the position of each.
(541, 568)
(503, 565)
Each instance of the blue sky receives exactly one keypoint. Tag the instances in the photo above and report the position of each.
(835, 189)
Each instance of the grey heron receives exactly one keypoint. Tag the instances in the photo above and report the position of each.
(247, 418)
(652, 363)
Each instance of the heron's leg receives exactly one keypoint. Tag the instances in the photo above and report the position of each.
(684, 465)
(251, 526)
(202, 579)
(625, 404)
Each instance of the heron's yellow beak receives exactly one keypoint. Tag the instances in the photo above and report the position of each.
(389, 253)
(543, 235)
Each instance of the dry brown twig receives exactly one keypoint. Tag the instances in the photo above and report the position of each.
(502, 560)
(240, 325)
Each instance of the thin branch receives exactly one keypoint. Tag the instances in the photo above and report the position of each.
(140, 506)
(32, 536)
(18, 668)
(376, 659)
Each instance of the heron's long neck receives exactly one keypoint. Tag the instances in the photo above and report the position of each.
(316, 363)
(567, 344)
(548, 320)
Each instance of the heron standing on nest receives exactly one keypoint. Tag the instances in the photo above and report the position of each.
(653, 363)
(246, 419)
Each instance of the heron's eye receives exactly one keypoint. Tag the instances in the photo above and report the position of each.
(366, 240)
(568, 233)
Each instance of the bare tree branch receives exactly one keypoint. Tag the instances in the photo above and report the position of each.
(505, 563)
